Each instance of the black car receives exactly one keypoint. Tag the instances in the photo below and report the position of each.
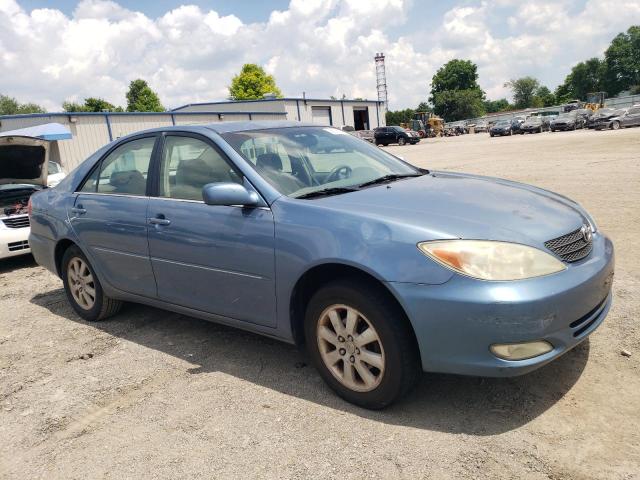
(500, 128)
(386, 135)
(567, 121)
(516, 122)
(533, 125)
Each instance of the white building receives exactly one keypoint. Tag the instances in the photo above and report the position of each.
(91, 130)
(360, 114)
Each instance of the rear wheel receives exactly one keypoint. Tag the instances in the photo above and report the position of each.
(83, 288)
(361, 344)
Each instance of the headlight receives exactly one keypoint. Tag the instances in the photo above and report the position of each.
(490, 260)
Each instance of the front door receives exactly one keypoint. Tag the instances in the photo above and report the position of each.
(109, 216)
(217, 259)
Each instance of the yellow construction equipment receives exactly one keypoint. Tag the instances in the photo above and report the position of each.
(595, 101)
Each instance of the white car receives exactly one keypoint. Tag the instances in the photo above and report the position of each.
(24, 170)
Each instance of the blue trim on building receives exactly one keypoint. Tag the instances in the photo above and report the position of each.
(116, 114)
(106, 118)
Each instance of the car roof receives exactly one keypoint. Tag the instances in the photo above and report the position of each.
(227, 127)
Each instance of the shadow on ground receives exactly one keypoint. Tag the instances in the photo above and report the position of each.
(16, 263)
(447, 403)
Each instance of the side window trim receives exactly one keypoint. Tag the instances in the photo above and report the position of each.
(98, 165)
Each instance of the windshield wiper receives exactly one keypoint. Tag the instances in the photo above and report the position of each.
(389, 178)
(327, 191)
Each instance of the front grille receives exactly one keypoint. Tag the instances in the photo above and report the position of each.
(570, 247)
(15, 246)
(17, 222)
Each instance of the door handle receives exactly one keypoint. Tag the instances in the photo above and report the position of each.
(159, 221)
(79, 210)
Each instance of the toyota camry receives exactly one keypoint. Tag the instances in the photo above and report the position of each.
(309, 235)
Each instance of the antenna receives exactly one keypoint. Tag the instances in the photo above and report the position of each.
(381, 79)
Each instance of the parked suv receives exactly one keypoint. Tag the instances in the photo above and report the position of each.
(386, 135)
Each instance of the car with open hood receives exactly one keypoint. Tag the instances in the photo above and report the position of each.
(303, 233)
(26, 167)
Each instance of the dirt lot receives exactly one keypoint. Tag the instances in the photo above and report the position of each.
(155, 394)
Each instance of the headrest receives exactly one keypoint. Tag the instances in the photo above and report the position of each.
(269, 160)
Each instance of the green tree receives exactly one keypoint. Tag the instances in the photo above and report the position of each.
(140, 98)
(544, 97)
(10, 106)
(424, 107)
(622, 62)
(493, 106)
(585, 77)
(73, 107)
(399, 116)
(252, 83)
(524, 90)
(455, 92)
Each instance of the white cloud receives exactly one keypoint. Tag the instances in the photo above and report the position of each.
(322, 47)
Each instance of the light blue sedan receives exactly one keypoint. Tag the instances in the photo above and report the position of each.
(312, 236)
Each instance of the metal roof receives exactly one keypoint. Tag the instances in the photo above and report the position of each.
(291, 99)
(47, 131)
(110, 114)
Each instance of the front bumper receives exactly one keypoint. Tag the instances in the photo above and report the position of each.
(456, 322)
(14, 242)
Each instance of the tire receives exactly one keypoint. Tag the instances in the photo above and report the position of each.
(540, 130)
(79, 279)
(615, 125)
(393, 346)
(491, 134)
(402, 141)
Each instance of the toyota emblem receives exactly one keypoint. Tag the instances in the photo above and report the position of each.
(586, 233)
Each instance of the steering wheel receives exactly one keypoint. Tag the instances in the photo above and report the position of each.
(336, 174)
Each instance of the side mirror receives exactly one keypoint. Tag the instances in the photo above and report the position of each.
(229, 194)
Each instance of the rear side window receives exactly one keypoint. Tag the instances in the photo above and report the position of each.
(124, 171)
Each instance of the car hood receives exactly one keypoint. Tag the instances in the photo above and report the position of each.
(23, 161)
(449, 205)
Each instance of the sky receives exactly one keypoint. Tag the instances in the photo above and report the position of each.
(188, 51)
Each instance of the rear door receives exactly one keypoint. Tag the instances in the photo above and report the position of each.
(633, 117)
(109, 216)
(217, 259)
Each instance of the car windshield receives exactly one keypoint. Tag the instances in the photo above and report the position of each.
(534, 120)
(502, 123)
(299, 161)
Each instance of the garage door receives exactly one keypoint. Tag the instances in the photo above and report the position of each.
(321, 115)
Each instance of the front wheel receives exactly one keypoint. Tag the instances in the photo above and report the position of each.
(83, 288)
(401, 141)
(361, 344)
(615, 125)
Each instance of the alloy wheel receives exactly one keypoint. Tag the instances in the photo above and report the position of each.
(81, 283)
(350, 348)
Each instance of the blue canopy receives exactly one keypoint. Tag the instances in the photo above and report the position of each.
(48, 131)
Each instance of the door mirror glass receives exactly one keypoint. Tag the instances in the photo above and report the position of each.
(229, 194)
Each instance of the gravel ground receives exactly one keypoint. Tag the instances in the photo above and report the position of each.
(159, 395)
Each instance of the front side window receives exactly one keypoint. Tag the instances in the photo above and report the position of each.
(188, 164)
(300, 160)
(124, 171)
